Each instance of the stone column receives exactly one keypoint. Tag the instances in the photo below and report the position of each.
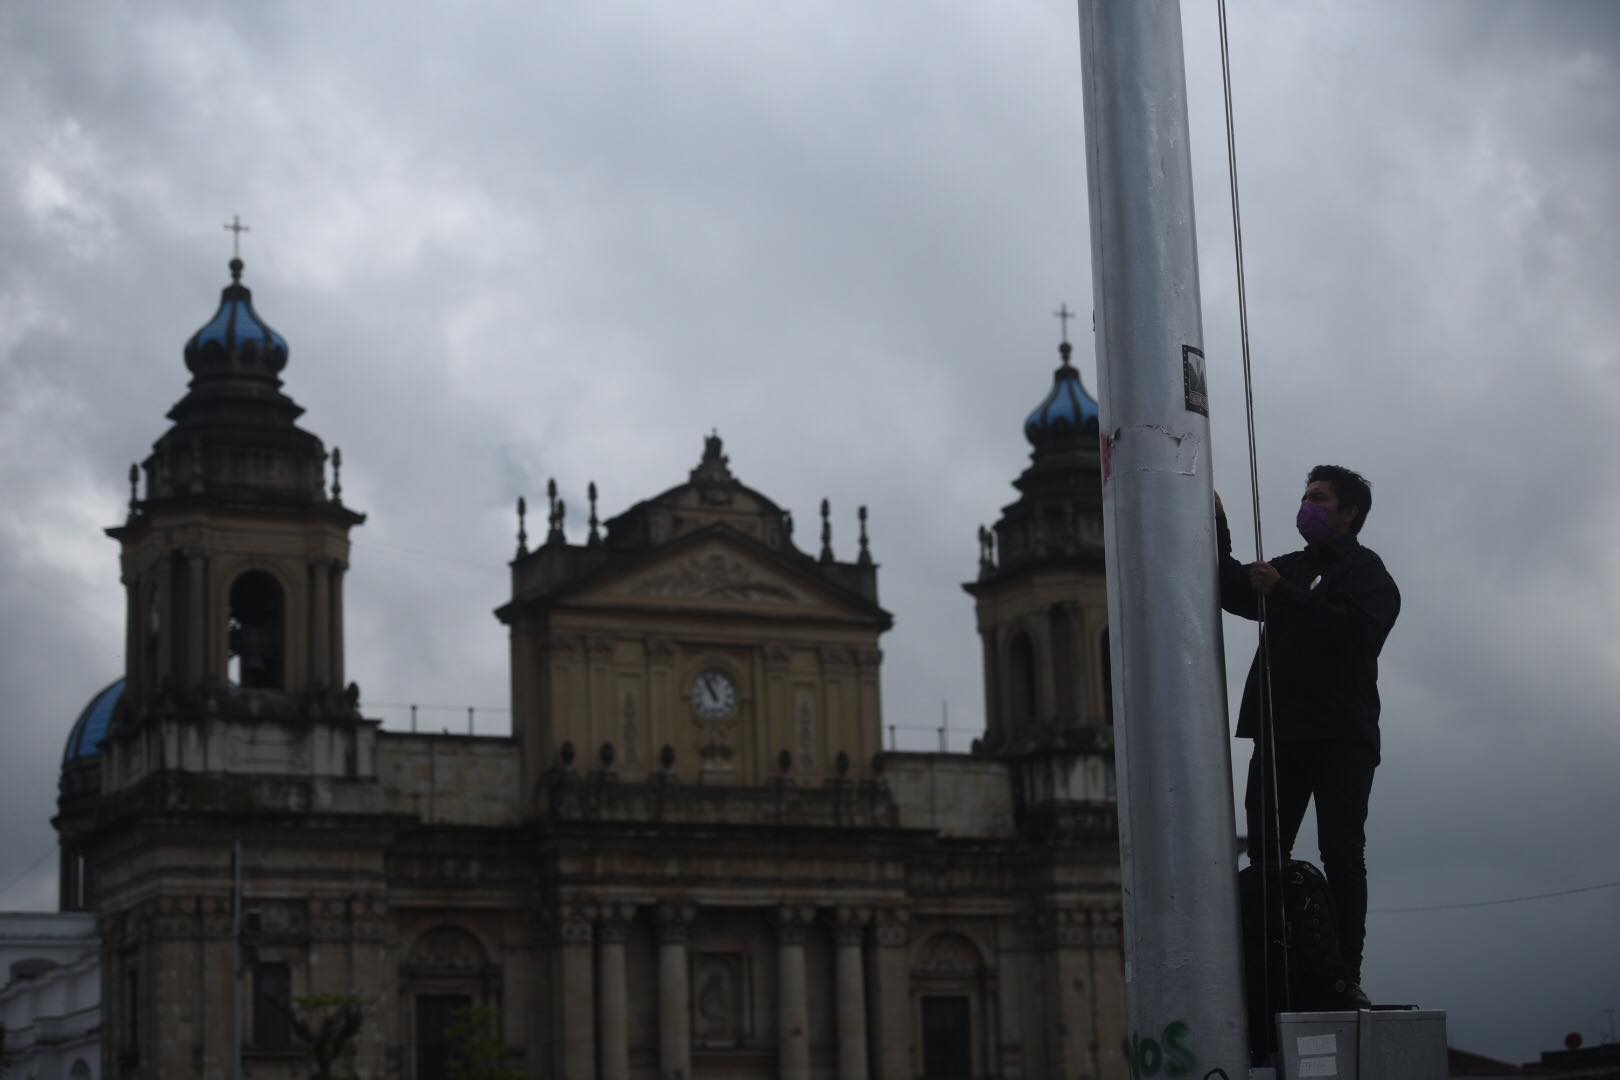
(849, 932)
(613, 1005)
(890, 1011)
(336, 603)
(1108, 982)
(576, 1034)
(134, 648)
(1067, 990)
(869, 728)
(320, 623)
(792, 1006)
(674, 999)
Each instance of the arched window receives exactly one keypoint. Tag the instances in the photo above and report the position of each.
(255, 632)
(80, 1070)
(1065, 664)
(1025, 689)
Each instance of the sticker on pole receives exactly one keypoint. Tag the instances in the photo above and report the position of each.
(1192, 380)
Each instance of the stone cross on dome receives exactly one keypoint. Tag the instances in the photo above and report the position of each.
(1062, 313)
(236, 229)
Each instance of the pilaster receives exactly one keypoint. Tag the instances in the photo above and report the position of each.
(792, 1006)
(849, 935)
(574, 1038)
(674, 996)
(613, 1006)
(889, 1013)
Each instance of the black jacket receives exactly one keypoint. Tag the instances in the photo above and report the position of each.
(1326, 622)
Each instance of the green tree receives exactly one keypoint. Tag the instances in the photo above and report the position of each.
(326, 1026)
(475, 1046)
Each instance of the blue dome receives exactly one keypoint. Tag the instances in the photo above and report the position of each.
(1067, 411)
(90, 729)
(236, 339)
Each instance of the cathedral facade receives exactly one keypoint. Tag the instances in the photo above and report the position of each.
(691, 858)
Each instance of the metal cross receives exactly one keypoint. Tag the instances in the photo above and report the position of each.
(1062, 313)
(237, 229)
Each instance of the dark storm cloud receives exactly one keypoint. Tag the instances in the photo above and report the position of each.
(507, 245)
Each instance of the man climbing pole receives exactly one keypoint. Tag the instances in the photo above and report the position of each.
(1328, 610)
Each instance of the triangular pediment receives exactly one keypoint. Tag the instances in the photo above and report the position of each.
(721, 572)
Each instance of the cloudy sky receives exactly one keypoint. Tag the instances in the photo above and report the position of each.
(514, 241)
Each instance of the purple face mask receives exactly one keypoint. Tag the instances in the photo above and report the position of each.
(1312, 522)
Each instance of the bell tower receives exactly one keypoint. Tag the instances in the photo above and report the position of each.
(1041, 596)
(233, 561)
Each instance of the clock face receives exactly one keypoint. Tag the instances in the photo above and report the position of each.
(714, 696)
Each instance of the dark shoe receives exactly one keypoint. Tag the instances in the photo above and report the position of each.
(1356, 998)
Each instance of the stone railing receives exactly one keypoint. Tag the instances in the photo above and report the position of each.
(566, 795)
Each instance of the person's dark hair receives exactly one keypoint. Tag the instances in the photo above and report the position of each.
(1349, 487)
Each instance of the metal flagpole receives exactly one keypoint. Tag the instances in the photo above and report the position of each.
(1183, 965)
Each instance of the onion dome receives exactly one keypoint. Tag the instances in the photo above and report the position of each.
(1067, 411)
(236, 340)
(90, 729)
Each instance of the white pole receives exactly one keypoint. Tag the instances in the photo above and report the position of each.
(1183, 965)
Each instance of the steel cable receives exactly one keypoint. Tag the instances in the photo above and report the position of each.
(1268, 741)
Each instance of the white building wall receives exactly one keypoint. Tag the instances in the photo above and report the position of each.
(50, 995)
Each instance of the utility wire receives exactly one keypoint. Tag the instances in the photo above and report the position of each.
(1494, 903)
(35, 865)
(371, 541)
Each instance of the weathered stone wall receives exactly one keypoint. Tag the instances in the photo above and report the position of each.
(450, 779)
(959, 796)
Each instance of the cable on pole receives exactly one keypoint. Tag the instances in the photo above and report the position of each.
(1268, 734)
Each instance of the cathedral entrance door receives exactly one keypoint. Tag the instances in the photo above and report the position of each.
(946, 1038)
(435, 1013)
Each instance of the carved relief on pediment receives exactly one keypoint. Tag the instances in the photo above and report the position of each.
(447, 949)
(950, 955)
(713, 575)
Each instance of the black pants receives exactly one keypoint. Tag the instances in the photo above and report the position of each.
(1339, 775)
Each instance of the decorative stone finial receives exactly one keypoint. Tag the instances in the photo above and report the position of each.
(865, 558)
(523, 536)
(553, 517)
(595, 536)
(826, 533)
(337, 475)
(134, 480)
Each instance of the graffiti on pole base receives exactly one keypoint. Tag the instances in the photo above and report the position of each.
(1168, 1055)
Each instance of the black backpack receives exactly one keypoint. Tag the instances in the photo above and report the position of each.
(1303, 970)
